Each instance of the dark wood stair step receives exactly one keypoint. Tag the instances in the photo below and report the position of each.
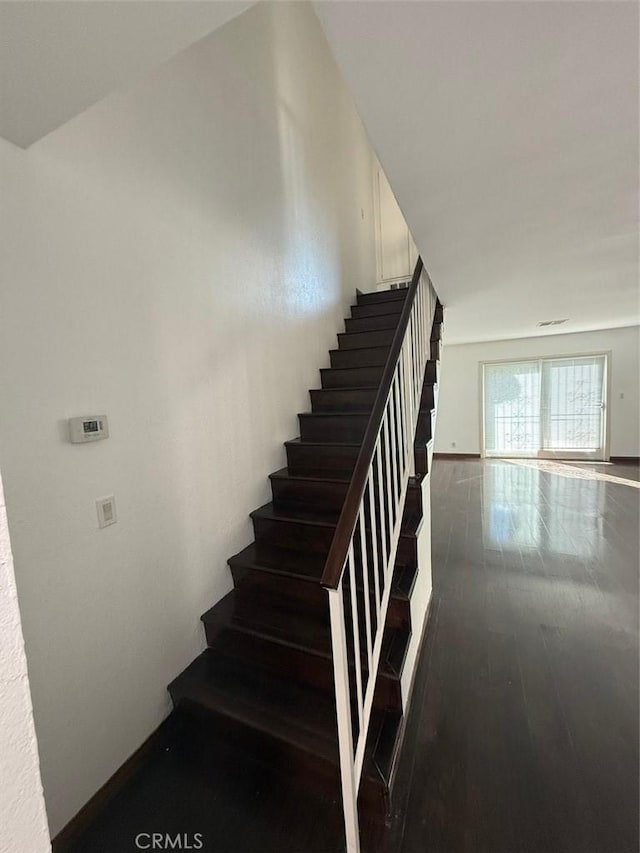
(318, 518)
(275, 707)
(351, 377)
(423, 427)
(421, 455)
(427, 400)
(372, 323)
(334, 457)
(375, 356)
(343, 399)
(293, 725)
(375, 309)
(326, 492)
(272, 631)
(290, 489)
(297, 575)
(359, 340)
(272, 617)
(300, 530)
(347, 427)
(377, 296)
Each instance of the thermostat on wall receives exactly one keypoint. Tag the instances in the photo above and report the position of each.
(89, 428)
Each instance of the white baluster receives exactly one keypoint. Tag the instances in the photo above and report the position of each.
(366, 590)
(343, 710)
(388, 474)
(356, 635)
(374, 538)
(417, 386)
(402, 441)
(380, 499)
(401, 412)
(420, 317)
(394, 457)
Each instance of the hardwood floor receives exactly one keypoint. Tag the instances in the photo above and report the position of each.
(523, 733)
(525, 730)
(233, 801)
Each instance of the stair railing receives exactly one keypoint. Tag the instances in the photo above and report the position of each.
(359, 567)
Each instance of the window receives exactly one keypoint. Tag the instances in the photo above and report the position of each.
(545, 407)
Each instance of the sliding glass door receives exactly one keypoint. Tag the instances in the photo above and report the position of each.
(550, 408)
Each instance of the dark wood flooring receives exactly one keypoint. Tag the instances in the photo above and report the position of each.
(523, 733)
(526, 724)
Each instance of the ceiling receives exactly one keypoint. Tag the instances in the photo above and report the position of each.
(509, 133)
(57, 58)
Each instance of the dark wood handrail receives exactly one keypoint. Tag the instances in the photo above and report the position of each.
(355, 493)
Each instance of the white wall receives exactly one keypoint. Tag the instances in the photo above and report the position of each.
(23, 820)
(459, 400)
(178, 257)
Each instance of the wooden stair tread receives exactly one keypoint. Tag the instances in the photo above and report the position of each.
(315, 443)
(376, 296)
(376, 309)
(276, 706)
(355, 400)
(300, 717)
(383, 747)
(308, 567)
(277, 624)
(302, 515)
(321, 453)
(404, 578)
(319, 475)
(361, 409)
(392, 318)
(350, 388)
(292, 487)
(361, 338)
(274, 618)
(362, 367)
(322, 415)
(280, 561)
(379, 348)
(346, 377)
(298, 440)
(362, 325)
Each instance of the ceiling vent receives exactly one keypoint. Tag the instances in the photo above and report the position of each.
(552, 322)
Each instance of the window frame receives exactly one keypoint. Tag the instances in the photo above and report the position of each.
(584, 456)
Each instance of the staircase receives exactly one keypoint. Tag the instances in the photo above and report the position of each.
(267, 676)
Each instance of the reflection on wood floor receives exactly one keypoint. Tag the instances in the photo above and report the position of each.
(526, 725)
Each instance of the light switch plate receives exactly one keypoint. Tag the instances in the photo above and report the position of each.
(106, 508)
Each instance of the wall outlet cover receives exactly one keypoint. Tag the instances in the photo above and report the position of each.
(106, 508)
